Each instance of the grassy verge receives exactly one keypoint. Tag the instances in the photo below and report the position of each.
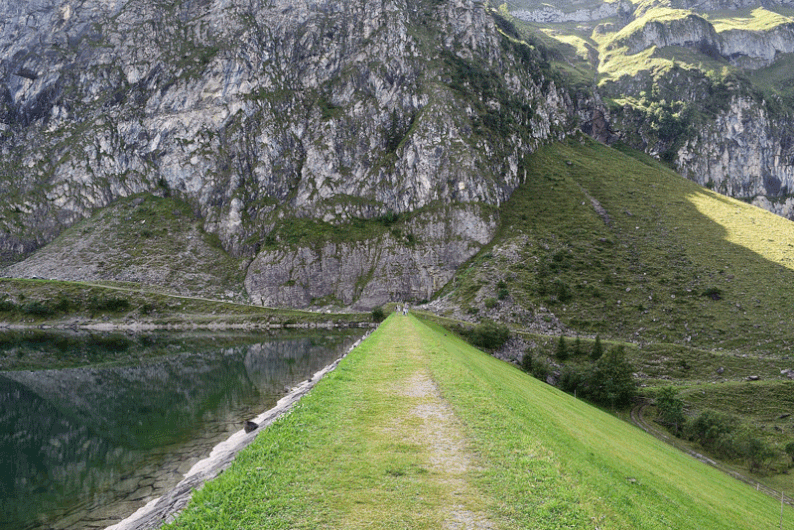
(353, 454)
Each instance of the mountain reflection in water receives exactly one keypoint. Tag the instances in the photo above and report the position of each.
(85, 447)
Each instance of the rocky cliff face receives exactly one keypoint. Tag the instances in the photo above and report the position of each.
(549, 13)
(411, 263)
(701, 86)
(256, 113)
(743, 153)
(748, 48)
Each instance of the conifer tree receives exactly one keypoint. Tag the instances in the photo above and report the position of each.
(562, 349)
(526, 362)
(598, 349)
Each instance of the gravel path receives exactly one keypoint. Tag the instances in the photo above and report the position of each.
(431, 423)
(450, 460)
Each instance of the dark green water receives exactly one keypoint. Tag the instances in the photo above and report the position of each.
(84, 447)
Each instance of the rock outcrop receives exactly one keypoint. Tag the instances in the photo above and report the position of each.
(747, 48)
(743, 153)
(549, 13)
(256, 113)
(363, 274)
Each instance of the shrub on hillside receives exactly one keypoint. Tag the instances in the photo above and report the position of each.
(598, 349)
(562, 350)
(526, 365)
(612, 381)
(713, 292)
(378, 314)
(541, 369)
(489, 335)
(716, 432)
(65, 305)
(756, 451)
(671, 410)
(37, 308)
(108, 303)
(573, 380)
(723, 436)
(577, 347)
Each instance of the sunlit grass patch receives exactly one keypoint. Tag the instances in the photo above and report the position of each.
(757, 19)
(764, 233)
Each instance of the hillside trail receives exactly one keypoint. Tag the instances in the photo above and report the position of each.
(428, 421)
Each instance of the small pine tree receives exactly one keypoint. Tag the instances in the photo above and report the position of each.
(790, 450)
(526, 362)
(577, 347)
(598, 349)
(562, 349)
(671, 410)
(612, 382)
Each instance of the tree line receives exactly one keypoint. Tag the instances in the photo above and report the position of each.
(606, 378)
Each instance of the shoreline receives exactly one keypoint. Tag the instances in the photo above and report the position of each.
(138, 326)
(164, 509)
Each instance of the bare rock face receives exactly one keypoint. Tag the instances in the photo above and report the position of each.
(367, 273)
(748, 48)
(744, 153)
(255, 113)
(549, 13)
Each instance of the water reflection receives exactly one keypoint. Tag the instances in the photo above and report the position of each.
(84, 447)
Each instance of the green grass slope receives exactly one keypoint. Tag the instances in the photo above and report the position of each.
(605, 242)
(359, 452)
(145, 239)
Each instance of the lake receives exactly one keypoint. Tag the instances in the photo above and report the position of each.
(86, 444)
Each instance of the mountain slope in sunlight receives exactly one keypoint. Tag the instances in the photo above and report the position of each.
(598, 241)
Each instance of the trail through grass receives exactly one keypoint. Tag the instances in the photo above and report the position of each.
(374, 446)
(417, 429)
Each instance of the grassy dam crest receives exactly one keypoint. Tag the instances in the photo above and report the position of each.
(418, 429)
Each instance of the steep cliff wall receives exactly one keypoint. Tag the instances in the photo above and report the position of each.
(409, 263)
(744, 152)
(258, 113)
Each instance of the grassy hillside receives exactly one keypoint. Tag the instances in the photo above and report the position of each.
(416, 428)
(145, 239)
(694, 285)
(612, 243)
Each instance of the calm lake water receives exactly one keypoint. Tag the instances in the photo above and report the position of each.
(85, 446)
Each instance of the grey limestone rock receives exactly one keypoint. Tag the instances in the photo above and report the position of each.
(367, 273)
(259, 112)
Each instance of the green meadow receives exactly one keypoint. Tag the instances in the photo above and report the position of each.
(417, 429)
(615, 244)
